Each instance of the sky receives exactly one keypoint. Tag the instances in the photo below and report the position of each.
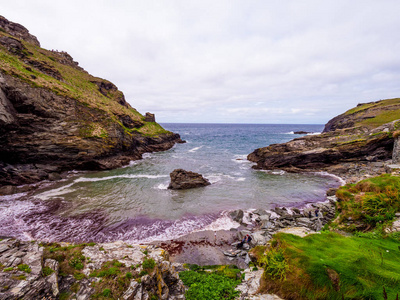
(189, 61)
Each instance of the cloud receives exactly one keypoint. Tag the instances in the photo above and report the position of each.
(229, 61)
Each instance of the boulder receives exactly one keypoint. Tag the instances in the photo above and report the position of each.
(181, 179)
(237, 215)
(149, 117)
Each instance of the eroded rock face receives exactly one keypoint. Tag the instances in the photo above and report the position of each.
(18, 31)
(181, 179)
(22, 274)
(321, 152)
(43, 123)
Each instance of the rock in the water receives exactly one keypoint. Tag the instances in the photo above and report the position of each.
(181, 179)
(237, 215)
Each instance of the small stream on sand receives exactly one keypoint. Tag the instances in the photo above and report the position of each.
(133, 203)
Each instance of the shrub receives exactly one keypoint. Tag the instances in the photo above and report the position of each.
(24, 267)
(148, 264)
(275, 264)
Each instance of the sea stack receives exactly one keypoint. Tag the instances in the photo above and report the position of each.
(182, 179)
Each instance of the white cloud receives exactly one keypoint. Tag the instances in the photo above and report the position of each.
(229, 61)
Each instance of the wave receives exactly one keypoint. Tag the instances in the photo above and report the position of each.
(313, 133)
(291, 132)
(127, 176)
(68, 188)
(326, 174)
(195, 149)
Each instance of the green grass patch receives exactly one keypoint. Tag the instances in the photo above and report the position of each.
(211, 282)
(47, 271)
(369, 203)
(24, 268)
(148, 264)
(331, 266)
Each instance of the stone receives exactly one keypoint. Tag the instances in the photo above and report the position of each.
(331, 192)
(181, 179)
(237, 215)
(149, 117)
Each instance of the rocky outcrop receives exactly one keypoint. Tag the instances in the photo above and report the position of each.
(181, 179)
(149, 117)
(56, 117)
(18, 31)
(341, 147)
(370, 114)
(26, 272)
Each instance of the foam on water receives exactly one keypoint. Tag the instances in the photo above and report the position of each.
(195, 149)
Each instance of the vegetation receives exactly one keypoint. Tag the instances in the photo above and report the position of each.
(24, 268)
(55, 71)
(381, 113)
(331, 266)
(115, 279)
(211, 282)
(369, 203)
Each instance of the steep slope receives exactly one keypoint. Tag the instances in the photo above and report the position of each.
(370, 115)
(54, 116)
(362, 135)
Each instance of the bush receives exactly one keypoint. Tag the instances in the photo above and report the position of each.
(275, 264)
(25, 268)
(148, 264)
(208, 286)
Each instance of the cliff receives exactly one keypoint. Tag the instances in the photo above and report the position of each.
(358, 139)
(55, 116)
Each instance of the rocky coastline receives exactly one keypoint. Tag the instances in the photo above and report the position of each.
(56, 117)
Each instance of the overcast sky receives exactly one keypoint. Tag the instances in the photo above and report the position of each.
(228, 61)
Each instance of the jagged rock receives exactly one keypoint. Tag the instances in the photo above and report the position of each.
(163, 281)
(43, 122)
(237, 215)
(149, 117)
(181, 179)
(18, 31)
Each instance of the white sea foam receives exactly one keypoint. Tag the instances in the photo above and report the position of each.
(241, 179)
(222, 223)
(56, 192)
(162, 186)
(195, 149)
(68, 188)
(313, 133)
(128, 176)
(326, 174)
(291, 132)
(146, 155)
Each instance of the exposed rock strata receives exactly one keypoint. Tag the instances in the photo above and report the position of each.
(21, 283)
(181, 180)
(52, 121)
(337, 152)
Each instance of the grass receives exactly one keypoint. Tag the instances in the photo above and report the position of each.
(24, 268)
(369, 203)
(70, 258)
(331, 266)
(76, 84)
(385, 111)
(115, 279)
(211, 282)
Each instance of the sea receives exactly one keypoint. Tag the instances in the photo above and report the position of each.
(133, 203)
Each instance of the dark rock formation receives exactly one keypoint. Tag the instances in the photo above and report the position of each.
(18, 31)
(322, 152)
(301, 132)
(181, 179)
(149, 117)
(366, 114)
(70, 120)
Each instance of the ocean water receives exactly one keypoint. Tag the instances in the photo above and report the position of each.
(133, 203)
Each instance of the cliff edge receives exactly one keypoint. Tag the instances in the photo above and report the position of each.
(353, 144)
(55, 116)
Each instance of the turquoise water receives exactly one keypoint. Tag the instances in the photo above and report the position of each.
(134, 204)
